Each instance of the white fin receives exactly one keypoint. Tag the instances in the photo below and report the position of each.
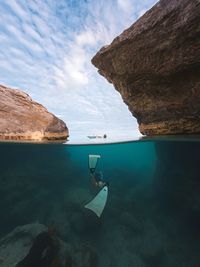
(98, 203)
(93, 159)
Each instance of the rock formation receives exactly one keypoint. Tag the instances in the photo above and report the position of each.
(15, 246)
(155, 65)
(21, 118)
(34, 245)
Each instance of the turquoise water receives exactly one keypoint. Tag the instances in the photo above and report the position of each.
(152, 215)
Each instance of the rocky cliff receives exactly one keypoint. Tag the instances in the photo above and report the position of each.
(155, 65)
(21, 118)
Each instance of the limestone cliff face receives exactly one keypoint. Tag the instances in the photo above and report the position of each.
(21, 118)
(155, 65)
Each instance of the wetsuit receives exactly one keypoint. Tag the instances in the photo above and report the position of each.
(98, 179)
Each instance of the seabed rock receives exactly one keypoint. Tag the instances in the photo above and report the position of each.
(15, 246)
(34, 245)
(86, 257)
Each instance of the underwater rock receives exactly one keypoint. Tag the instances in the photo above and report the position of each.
(34, 245)
(21, 118)
(155, 66)
(47, 251)
(86, 257)
(15, 246)
(42, 253)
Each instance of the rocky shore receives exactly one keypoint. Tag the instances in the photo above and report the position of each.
(21, 118)
(155, 66)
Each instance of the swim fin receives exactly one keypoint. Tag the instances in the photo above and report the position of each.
(98, 203)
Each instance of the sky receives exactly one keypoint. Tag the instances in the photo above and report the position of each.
(46, 48)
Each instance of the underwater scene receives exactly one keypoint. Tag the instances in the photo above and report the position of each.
(151, 217)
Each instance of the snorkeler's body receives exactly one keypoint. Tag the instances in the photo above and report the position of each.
(97, 204)
(97, 179)
(96, 176)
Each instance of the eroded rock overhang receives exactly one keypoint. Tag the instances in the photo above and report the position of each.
(155, 65)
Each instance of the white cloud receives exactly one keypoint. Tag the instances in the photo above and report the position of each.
(126, 5)
(86, 38)
(23, 40)
(17, 9)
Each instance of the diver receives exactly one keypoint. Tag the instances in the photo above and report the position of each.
(96, 176)
(98, 203)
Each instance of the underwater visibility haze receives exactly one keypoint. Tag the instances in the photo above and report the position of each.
(152, 214)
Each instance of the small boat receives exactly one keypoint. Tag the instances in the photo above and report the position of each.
(94, 136)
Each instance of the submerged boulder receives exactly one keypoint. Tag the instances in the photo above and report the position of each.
(15, 246)
(155, 65)
(21, 118)
(34, 245)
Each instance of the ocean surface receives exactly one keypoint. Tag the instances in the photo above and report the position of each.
(152, 215)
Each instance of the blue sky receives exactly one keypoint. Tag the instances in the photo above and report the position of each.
(46, 48)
